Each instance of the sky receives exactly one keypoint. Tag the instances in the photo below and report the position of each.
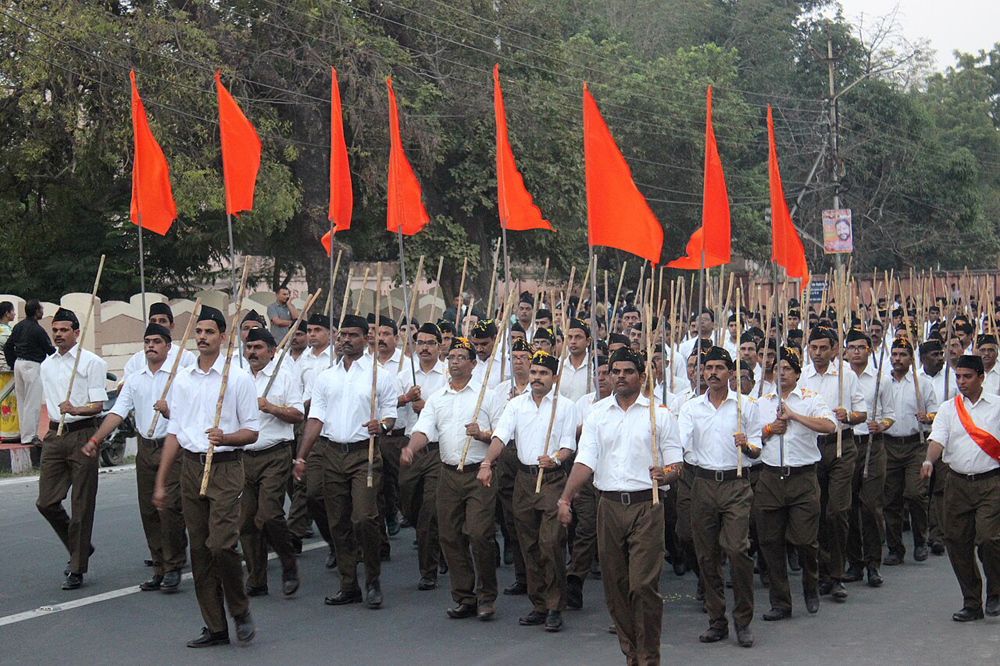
(964, 25)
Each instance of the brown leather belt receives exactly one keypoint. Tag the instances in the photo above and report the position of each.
(74, 426)
(976, 477)
(627, 498)
(533, 469)
(347, 447)
(217, 456)
(716, 474)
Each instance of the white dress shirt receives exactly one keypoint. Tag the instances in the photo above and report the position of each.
(505, 390)
(573, 384)
(139, 392)
(961, 452)
(991, 380)
(584, 406)
(938, 381)
(341, 399)
(800, 442)
(708, 431)
(138, 360)
(88, 387)
(826, 385)
(308, 367)
(194, 395)
(868, 379)
(479, 371)
(430, 382)
(446, 414)
(904, 398)
(617, 444)
(526, 423)
(285, 392)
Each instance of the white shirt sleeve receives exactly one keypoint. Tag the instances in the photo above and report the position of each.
(427, 420)
(124, 402)
(246, 403)
(505, 426)
(97, 371)
(317, 406)
(588, 447)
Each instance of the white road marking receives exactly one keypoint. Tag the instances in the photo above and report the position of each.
(45, 611)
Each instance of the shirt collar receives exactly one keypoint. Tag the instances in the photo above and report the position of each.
(220, 363)
(473, 385)
(74, 350)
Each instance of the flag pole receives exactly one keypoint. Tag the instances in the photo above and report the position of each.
(232, 252)
(593, 318)
(406, 302)
(777, 359)
(506, 279)
(142, 272)
(697, 317)
(329, 294)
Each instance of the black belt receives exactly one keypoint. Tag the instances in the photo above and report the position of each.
(633, 497)
(791, 471)
(398, 432)
(908, 439)
(269, 449)
(533, 469)
(217, 457)
(469, 467)
(432, 446)
(348, 447)
(74, 426)
(715, 474)
(823, 440)
(155, 443)
(976, 477)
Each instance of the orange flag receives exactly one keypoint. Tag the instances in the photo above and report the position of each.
(341, 196)
(405, 210)
(517, 211)
(617, 214)
(152, 199)
(713, 236)
(786, 247)
(240, 152)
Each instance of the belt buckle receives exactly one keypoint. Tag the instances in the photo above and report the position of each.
(786, 471)
(720, 475)
(626, 499)
(345, 447)
(203, 458)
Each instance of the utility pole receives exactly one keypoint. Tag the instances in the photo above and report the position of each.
(832, 120)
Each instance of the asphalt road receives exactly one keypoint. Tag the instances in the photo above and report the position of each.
(907, 621)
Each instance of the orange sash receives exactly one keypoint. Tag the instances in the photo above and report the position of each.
(987, 442)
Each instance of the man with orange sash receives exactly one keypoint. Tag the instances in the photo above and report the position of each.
(965, 431)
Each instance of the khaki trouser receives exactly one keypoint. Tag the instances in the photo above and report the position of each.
(585, 535)
(904, 489)
(388, 447)
(542, 538)
(683, 529)
(630, 541)
(63, 466)
(352, 511)
(28, 392)
(465, 513)
(935, 511)
(164, 528)
(213, 524)
(972, 520)
(506, 472)
(864, 537)
(266, 477)
(720, 521)
(418, 489)
(835, 476)
(788, 511)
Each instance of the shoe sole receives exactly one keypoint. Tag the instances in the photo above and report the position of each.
(341, 603)
(553, 630)
(244, 641)
(287, 593)
(486, 617)
(210, 643)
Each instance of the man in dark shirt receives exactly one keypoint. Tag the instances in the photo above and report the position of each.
(26, 348)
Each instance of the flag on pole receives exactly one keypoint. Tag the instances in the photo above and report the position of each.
(713, 236)
(240, 152)
(617, 214)
(341, 196)
(152, 198)
(405, 210)
(786, 247)
(517, 210)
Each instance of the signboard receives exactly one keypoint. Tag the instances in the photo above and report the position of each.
(838, 234)
(816, 290)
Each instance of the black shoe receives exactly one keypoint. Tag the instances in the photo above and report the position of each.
(309, 534)
(574, 592)
(149, 563)
(392, 524)
(343, 598)
(508, 554)
(679, 569)
(937, 547)
(487, 609)
(461, 611)
(297, 545)
(993, 605)
(921, 552)
(793, 561)
(515, 589)
(853, 574)
(812, 602)
(553, 621)
(374, 597)
(245, 627)
(874, 577)
(73, 581)
(256, 590)
(744, 637)
(171, 581)
(967, 615)
(714, 635)
(405, 522)
(825, 586)
(892, 559)
(426, 584)
(331, 560)
(208, 639)
(776, 614)
(290, 582)
(532, 619)
(838, 592)
(153, 584)
(442, 568)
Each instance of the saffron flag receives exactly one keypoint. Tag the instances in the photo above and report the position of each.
(786, 247)
(517, 211)
(341, 196)
(405, 210)
(152, 198)
(617, 214)
(240, 152)
(713, 236)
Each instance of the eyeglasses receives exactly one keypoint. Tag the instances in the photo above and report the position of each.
(426, 343)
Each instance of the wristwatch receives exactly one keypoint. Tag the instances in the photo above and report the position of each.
(384, 428)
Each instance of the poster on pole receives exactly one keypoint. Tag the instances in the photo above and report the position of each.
(838, 233)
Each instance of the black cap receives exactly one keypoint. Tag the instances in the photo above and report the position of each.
(618, 338)
(354, 321)
(303, 327)
(430, 329)
(971, 362)
(748, 337)
(484, 328)
(261, 335)
(902, 343)
(856, 334)
(458, 342)
(161, 309)
(823, 333)
(543, 313)
(546, 334)
(521, 345)
(575, 322)
(319, 320)
(517, 328)
(986, 339)
(208, 313)
(253, 315)
(446, 326)
(545, 360)
(791, 355)
(62, 314)
(386, 321)
(932, 345)
(719, 354)
(157, 329)
(627, 354)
